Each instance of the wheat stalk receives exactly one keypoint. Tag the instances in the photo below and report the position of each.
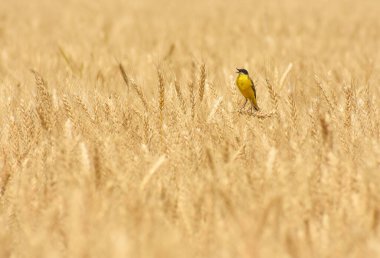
(319, 84)
(152, 171)
(293, 111)
(134, 86)
(161, 90)
(202, 83)
(67, 107)
(179, 95)
(349, 106)
(44, 102)
(192, 98)
(273, 95)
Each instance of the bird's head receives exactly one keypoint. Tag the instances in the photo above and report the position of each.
(242, 71)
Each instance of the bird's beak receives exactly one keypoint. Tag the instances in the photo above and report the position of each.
(238, 71)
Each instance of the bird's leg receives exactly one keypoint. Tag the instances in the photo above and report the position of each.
(245, 103)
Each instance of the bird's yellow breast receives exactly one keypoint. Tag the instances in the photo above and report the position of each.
(244, 83)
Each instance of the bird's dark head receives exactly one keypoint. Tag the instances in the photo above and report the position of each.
(243, 71)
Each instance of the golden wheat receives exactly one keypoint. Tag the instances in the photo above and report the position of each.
(125, 140)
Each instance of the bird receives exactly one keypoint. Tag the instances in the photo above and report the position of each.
(247, 88)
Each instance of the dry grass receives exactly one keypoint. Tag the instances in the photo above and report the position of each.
(126, 140)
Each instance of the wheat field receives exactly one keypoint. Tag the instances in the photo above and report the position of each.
(120, 134)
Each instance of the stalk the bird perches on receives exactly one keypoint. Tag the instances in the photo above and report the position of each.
(247, 88)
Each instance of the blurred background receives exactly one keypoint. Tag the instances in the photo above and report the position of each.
(323, 35)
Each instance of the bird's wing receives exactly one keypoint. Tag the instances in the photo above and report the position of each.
(253, 87)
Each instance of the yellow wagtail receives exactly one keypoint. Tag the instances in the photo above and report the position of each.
(247, 88)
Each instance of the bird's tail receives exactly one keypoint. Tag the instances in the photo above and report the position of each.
(254, 104)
